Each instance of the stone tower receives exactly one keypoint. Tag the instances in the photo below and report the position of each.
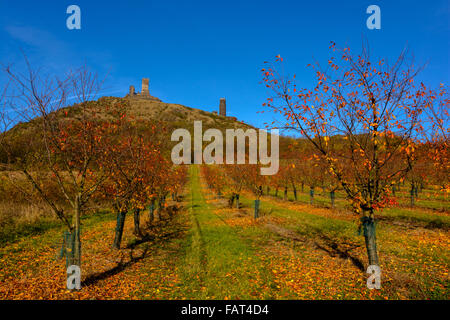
(223, 107)
(145, 92)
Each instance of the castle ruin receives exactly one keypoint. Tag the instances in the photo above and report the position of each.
(144, 94)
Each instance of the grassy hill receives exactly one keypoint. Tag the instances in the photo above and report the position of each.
(167, 116)
(174, 114)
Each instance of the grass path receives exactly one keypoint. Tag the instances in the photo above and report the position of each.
(219, 262)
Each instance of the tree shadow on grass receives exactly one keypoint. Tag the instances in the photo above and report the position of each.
(155, 239)
(341, 250)
(332, 247)
(411, 222)
(153, 235)
(96, 277)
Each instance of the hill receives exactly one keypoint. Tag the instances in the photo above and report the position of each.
(169, 116)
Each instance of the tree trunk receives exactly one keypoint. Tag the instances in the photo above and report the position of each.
(119, 228)
(332, 197)
(231, 201)
(256, 208)
(412, 195)
(268, 190)
(77, 248)
(311, 195)
(160, 208)
(151, 210)
(368, 225)
(285, 193)
(295, 192)
(276, 192)
(137, 230)
(303, 185)
(237, 201)
(76, 256)
(68, 247)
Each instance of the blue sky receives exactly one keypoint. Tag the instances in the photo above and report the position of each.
(195, 52)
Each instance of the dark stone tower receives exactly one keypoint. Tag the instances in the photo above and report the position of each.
(223, 107)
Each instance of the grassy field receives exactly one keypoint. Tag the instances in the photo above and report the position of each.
(209, 251)
(427, 199)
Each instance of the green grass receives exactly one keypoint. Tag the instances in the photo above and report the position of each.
(308, 224)
(401, 247)
(427, 199)
(422, 214)
(13, 232)
(219, 262)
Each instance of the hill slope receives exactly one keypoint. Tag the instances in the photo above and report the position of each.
(145, 109)
(167, 115)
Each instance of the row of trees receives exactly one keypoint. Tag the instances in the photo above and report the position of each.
(306, 172)
(311, 171)
(230, 180)
(90, 151)
(365, 128)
